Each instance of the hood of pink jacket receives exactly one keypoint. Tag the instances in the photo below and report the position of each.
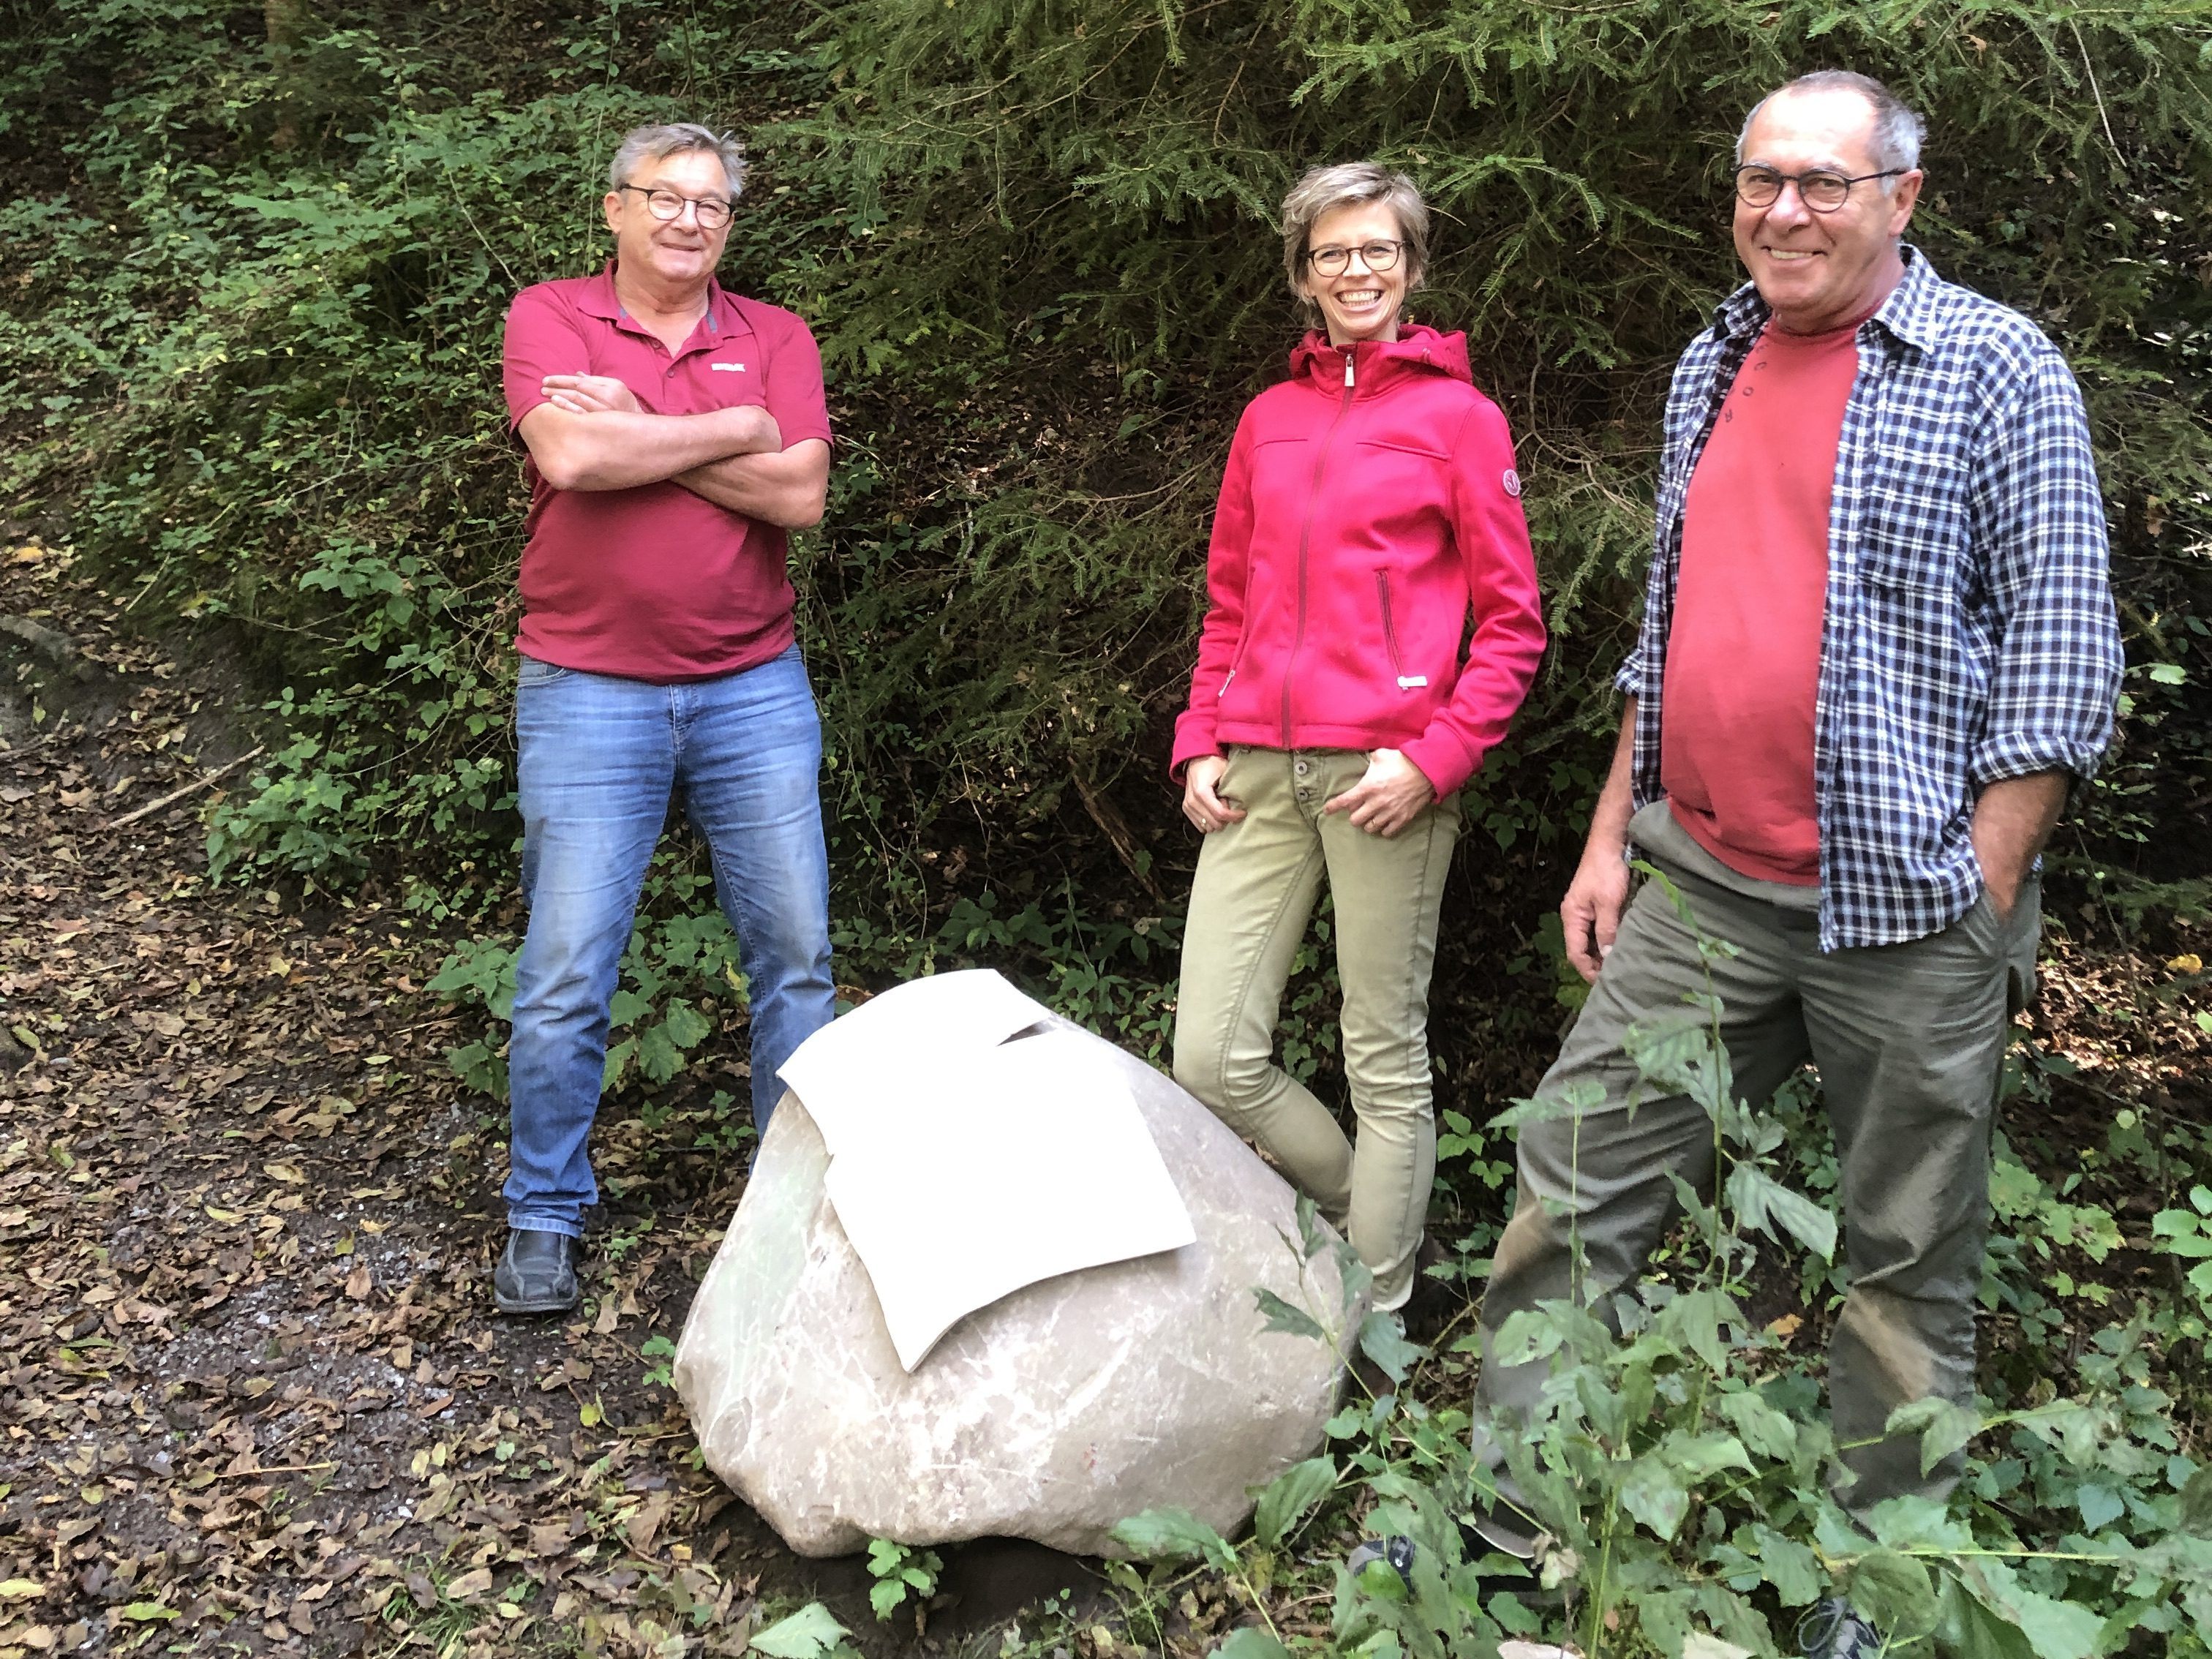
(1419, 349)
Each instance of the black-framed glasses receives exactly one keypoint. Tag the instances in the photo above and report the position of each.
(1332, 261)
(1821, 190)
(711, 210)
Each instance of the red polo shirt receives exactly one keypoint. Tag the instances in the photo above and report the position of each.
(656, 583)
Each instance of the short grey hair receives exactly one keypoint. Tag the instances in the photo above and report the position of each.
(1322, 190)
(657, 143)
(1897, 128)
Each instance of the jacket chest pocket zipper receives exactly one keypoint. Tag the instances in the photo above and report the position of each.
(1406, 681)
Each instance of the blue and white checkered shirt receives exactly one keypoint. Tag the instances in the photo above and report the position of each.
(1969, 634)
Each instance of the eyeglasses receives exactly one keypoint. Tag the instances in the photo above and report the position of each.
(1336, 261)
(712, 212)
(1820, 189)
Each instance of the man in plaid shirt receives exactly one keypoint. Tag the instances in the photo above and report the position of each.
(1878, 645)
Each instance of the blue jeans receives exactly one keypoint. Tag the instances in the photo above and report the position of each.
(599, 757)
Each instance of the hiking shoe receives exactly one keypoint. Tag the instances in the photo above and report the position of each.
(537, 1272)
(1397, 1550)
(1832, 1630)
(1435, 1303)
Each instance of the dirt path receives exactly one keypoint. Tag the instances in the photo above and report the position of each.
(255, 1399)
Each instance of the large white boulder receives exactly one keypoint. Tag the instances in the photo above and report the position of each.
(1054, 1412)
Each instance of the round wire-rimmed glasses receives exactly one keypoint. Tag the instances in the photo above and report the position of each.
(712, 212)
(1378, 255)
(1822, 190)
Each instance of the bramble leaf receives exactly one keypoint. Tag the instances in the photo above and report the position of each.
(1382, 1339)
(1173, 1534)
(1290, 1498)
(1657, 1496)
(1282, 1316)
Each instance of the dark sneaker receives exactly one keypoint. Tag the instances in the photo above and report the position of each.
(1831, 1630)
(537, 1272)
(1436, 1303)
(1397, 1550)
(1499, 1526)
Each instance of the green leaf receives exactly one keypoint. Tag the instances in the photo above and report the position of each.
(1789, 1566)
(2196, 1503)
(884, 1596)
(1382, 1339)
(1282, 1316)
(1694, 1319)
(1290, 1498)
(1894, 1591)
(1252, 1642)
(1695, 1456)
(2181, 1232)
(2099, 1505)
(1767, 1432)
(686, 1026)
(1944, 1426)
(146, 1612)
(1763, 1202)
(1655, 1495)
(1173, 1534)
(810, 1633)
(1971, 1631)
(1313, 1239)
(2054, 1629)
(1912, 1521)
(2169, 673)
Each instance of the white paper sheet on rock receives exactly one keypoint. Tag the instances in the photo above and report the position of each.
(966, 1161)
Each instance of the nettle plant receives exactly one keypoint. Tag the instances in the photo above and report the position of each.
(1684, 1477)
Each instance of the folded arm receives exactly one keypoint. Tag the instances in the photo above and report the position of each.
(593, 435)
(786, 486)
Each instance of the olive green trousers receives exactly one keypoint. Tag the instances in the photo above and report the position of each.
(1909, 1040)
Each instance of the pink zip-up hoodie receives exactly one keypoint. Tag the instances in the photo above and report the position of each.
(1371, 501)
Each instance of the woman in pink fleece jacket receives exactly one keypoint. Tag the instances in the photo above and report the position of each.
(1369, 507)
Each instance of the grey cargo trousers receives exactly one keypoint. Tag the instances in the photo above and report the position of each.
(1909, 1043)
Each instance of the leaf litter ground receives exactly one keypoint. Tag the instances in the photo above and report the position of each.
(253, 1394)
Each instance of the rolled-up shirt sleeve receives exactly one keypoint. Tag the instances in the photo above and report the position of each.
(2040, 528)
(1629, 676)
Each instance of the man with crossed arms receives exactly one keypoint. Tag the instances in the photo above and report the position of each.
(1878, 644)
(676, 431)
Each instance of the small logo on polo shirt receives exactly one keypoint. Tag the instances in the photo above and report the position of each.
(1512, 482)
(733, 369)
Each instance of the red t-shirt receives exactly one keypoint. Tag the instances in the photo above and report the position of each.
(1743, 655)
(656, 583)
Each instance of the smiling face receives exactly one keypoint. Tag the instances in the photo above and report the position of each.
(1356, 303)
(669, 253)
(1819, 271)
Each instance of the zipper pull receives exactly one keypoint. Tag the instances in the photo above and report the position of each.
(1347, 368)
(1226, 683)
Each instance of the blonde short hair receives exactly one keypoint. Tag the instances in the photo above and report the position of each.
(1325, 189)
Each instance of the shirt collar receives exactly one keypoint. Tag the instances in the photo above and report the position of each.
(1909, 313)
(599, 299)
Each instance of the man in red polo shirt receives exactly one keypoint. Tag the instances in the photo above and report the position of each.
(676, 433)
